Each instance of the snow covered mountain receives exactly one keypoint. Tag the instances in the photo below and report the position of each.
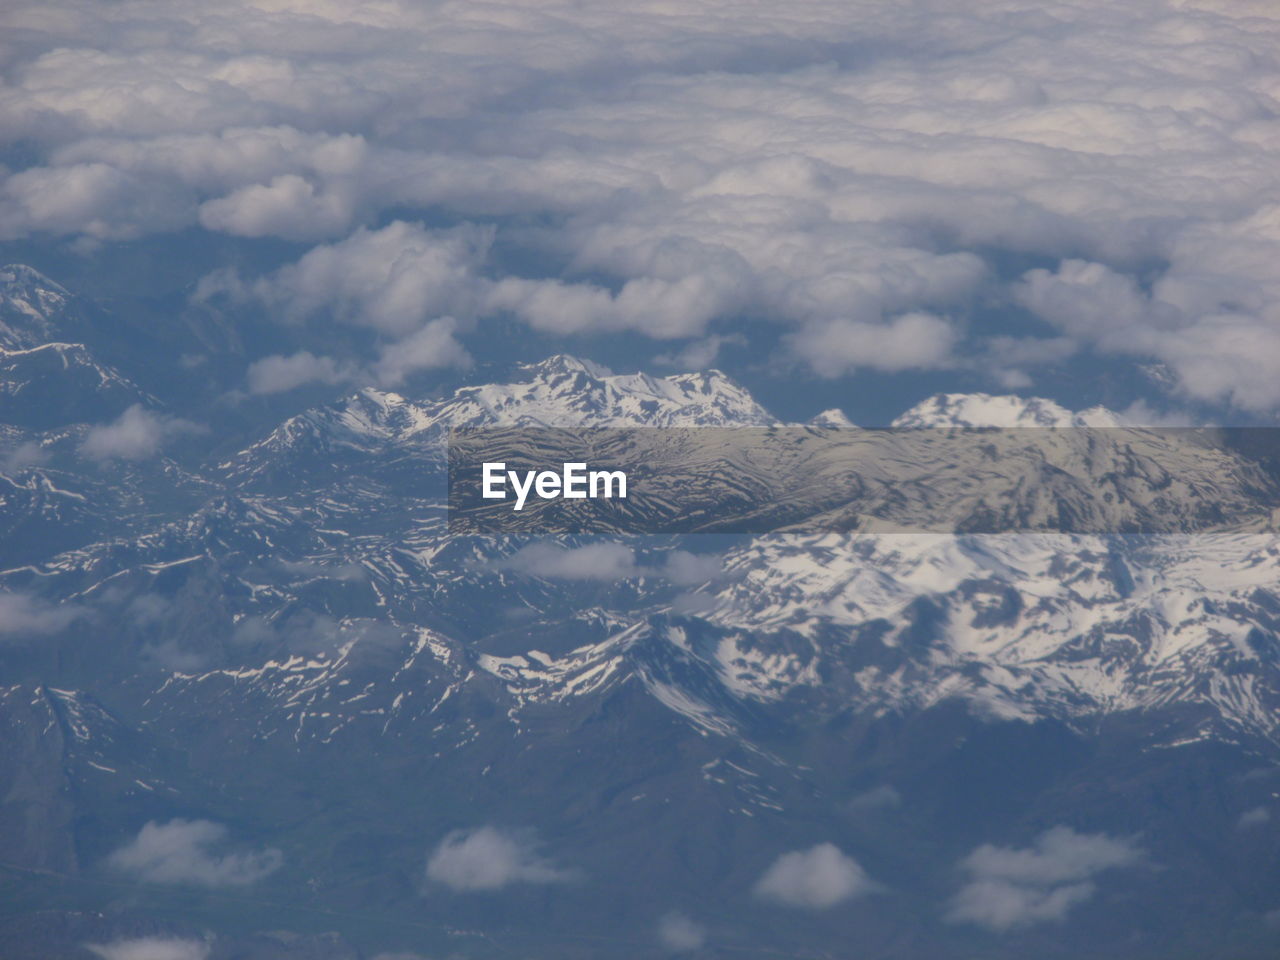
(31, 306)
(291, 640)
(1020, 626)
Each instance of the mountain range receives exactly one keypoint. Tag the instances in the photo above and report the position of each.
(275, 633)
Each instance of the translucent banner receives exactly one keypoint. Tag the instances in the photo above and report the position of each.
(510, 480)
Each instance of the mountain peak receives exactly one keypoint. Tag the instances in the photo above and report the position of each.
(563, 363)
(29, 303)
(986, 410)
(22, 276)
(834, 418)
(567, 391)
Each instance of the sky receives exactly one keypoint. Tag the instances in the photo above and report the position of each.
(1000, 193)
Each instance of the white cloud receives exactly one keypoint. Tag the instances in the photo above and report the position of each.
(912, 341)
(687, 569)
(151, 948)
(24, 615)
(391, 279)
(883, 797)
(136, 434)
(1217, 336)
(186, 852)
(609, 561)
(433, 345)
(698, 355)
(1012, 887)
(594, 561)
(679, 934)
(842, 170)
(22, 457)
(488, 858)
(289, 206)
(278, 374)
(1254, 817)
(815, 879)
(656, 306)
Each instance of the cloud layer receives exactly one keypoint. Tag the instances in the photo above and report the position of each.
(872, 177)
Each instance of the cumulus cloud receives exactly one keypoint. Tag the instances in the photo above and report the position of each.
(489, 858)
(814, 879)
(392, 279)
(151, 948)
(700, 354)
(186, 852)
(660, 307)
(289, 206)
(22, 457)
(854, 173)
(24, 615)
(433, 345)
(594, 561)
(883, 797)
(914, 340)
(1012, 887)
(308, 632)
(609, 561)
(279, 374)
(1254, 817)
(679, 934)
(687, 569)
(136, 434)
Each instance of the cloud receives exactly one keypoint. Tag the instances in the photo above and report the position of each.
(431, 346)
(278, 374)
(1255, 817)
(814, 879)
(151, 948)
(24, 615)
(136, 434)
(289, 206)
(883, 797)
(687, 569)
(488, 858)
(661, 307)
(22, 457)
(911, 341)
(847, 174)
(184, 852)
(609, 562)
(1012, 887)
(308, 632)
(700, 354)
(679, 934)
(391, 280)
(595, 561)
(1217, 344)
(311, 569)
